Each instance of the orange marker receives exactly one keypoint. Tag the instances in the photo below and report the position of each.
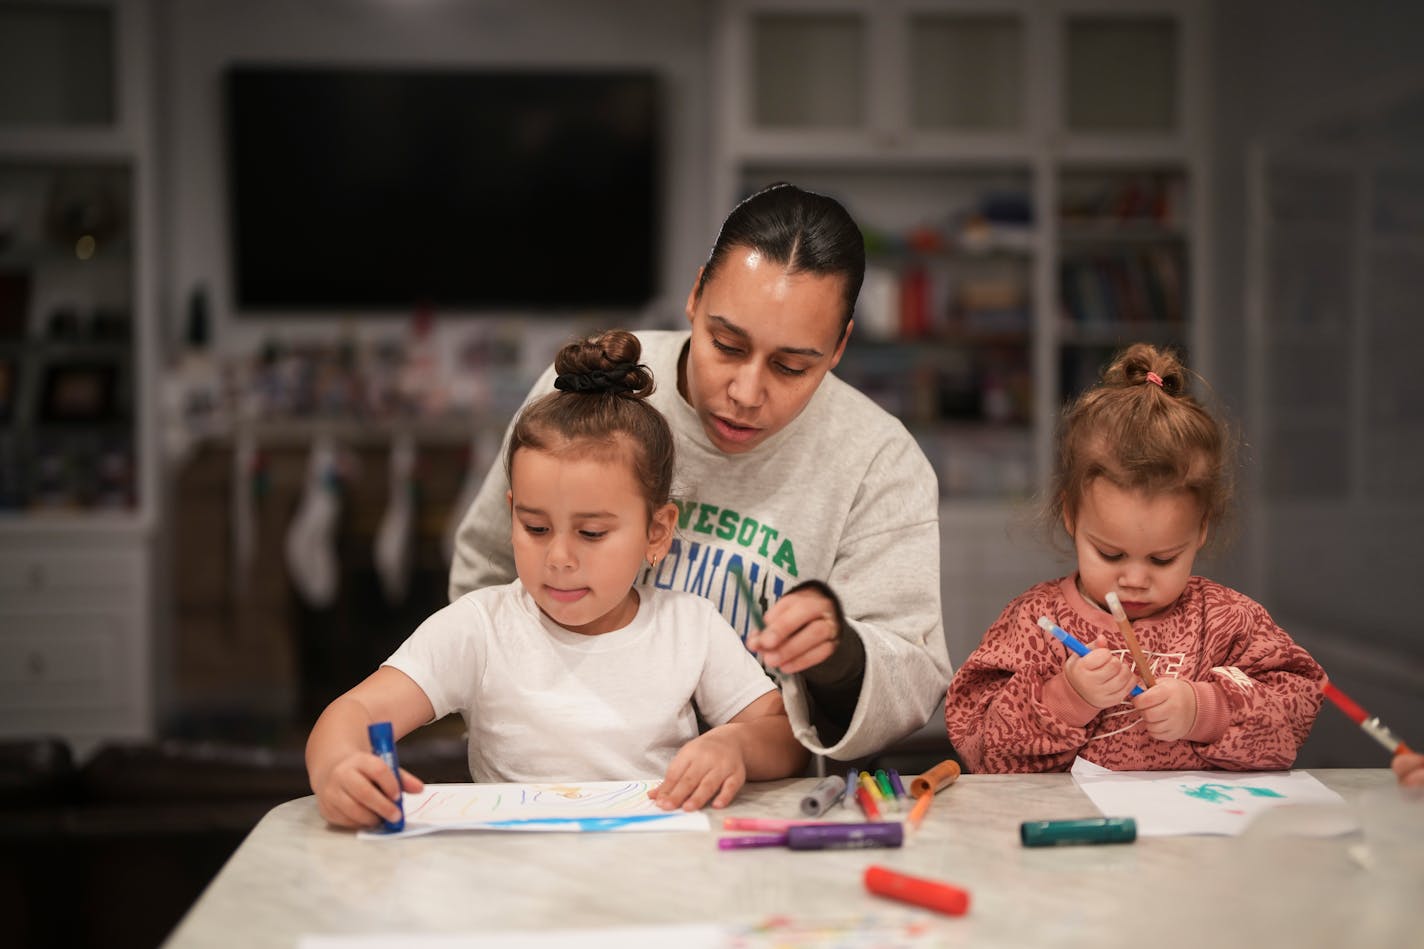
(921, 808)
(935, 779)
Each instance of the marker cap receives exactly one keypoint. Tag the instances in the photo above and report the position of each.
(845, 836)
(823, 796)
(931, 894)
(1094, 830)
(932, 781)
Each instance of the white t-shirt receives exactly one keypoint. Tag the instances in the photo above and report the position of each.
(545, 704)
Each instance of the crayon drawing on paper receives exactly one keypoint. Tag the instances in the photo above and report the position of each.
(567, 806)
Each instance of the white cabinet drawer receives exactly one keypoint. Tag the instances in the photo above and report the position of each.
(62, 661)
(94, 576)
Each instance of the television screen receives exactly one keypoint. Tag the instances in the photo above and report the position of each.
(380, 189)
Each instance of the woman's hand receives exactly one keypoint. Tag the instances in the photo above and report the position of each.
(801, 630)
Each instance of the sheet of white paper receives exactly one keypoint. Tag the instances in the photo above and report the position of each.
(579, 806)
(623, 937)
(863, 931)
(1166, 803)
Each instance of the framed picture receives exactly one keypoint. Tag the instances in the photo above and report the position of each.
(9, 386)
(80, 392)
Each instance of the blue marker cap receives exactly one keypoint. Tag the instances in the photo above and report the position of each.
(383, 746)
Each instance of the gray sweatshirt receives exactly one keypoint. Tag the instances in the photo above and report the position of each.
(842, 495)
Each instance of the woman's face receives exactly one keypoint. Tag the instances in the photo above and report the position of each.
(762, 341)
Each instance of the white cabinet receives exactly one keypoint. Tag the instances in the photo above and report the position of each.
(78, 475)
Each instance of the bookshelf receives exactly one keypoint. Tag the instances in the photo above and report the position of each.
(78, 472)
(1028, 176)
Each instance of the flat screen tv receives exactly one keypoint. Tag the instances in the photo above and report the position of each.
(387, 189)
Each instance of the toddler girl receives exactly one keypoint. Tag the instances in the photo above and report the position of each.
(1143, 474)
(569, 673)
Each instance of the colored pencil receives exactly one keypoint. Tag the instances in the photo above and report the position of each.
(1125, 625)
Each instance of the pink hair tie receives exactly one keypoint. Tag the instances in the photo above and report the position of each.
(1154, 378)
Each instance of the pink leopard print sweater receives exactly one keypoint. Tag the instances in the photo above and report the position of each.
(1011, 709)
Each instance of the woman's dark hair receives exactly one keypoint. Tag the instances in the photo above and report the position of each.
(802, 231)
(601, 408)
(1141, 429)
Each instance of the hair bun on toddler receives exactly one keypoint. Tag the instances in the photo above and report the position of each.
(606, 363)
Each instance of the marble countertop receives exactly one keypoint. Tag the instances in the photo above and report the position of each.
(1280, 884)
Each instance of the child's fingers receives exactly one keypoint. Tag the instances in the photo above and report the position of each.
(698, 797)
(344, 809)
(732, 785)
(376, 799)
(410, 782)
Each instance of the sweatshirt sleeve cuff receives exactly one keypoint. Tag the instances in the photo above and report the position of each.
(1213, 714)
(1060, 698)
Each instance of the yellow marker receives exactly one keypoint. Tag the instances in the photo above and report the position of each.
(867, 782)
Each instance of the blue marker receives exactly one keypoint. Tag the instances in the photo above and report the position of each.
(1073, 643)
(383, 746)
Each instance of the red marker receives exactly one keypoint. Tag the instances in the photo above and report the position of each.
(1371, 725)
(867, 804)
(931, 894)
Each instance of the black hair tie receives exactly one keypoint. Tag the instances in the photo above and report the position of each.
(613, 379)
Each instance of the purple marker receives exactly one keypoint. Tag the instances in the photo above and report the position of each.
(845, 836)
(751, 840)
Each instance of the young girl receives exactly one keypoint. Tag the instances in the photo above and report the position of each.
(1144, 473)
(569, 673)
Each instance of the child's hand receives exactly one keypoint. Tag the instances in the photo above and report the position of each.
(708, 768)
(1101, 678)
(1169, 709)
(360, 791)
(1409, 769)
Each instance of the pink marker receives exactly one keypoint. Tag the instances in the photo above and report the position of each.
(764, 823)
(752, 840)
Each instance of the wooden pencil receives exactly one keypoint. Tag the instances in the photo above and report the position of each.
(1123, 624)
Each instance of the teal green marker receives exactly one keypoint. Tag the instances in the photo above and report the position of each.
(753, 610)
(1093, 830)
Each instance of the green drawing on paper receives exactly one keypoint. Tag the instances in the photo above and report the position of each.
(1221, 793)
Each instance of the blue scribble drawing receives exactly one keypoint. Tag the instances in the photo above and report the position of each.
(1221, 793)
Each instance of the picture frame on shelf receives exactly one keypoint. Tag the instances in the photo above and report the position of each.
(79, 392)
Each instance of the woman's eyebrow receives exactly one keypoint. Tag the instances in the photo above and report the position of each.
(729, 326)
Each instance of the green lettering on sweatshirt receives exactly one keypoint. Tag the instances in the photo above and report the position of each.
(729, 525)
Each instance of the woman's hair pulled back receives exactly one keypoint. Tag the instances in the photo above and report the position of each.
(1141, 429)
(601, 408)
(803, 231)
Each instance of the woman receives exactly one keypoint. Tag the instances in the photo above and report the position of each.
(789, 477)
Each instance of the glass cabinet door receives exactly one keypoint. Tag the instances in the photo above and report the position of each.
(966, 72)
(1121, 74)
(57, 65)
(809, 71)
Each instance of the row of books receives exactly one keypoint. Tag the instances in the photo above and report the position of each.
(1157, 198)
(1130, 287)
